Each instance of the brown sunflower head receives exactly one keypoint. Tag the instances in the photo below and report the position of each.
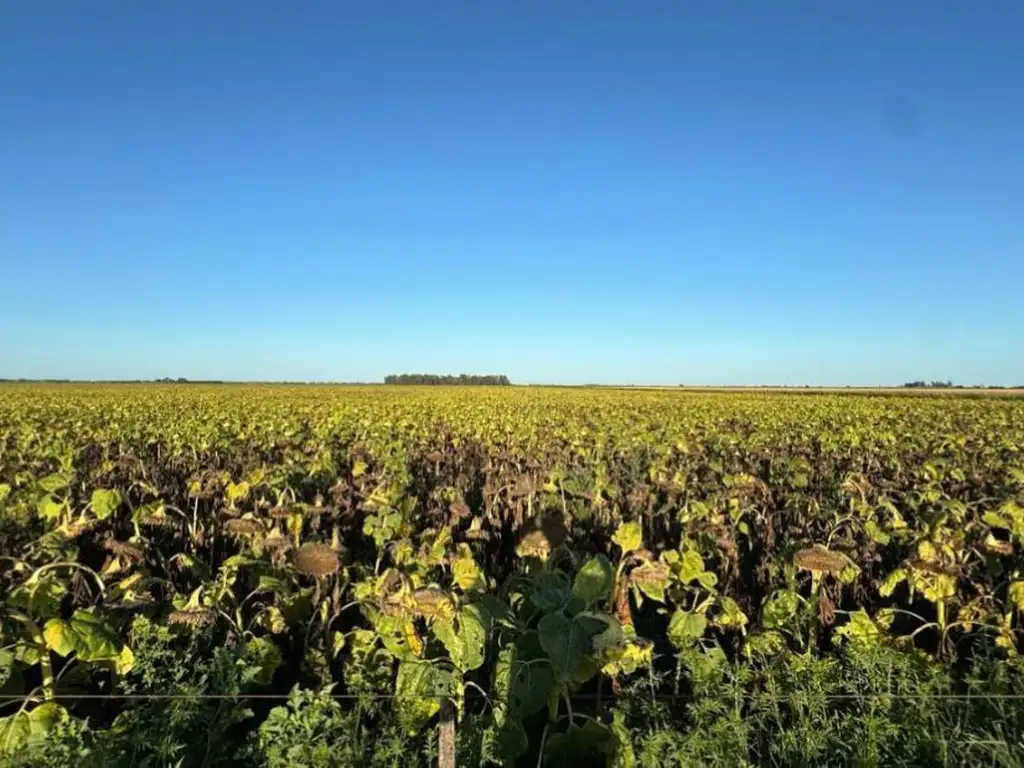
(158, 520)
(124, 550)
(192, 617)
(821, 559)
(316, 560)
(242, 527)
(277, 543)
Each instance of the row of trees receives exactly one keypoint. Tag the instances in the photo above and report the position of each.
(462, 379)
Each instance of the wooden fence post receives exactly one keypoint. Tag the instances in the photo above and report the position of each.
(446, 735)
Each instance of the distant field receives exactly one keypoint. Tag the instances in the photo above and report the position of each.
(867, 390)
(977, 391)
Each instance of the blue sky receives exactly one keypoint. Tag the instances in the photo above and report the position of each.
(563, 191)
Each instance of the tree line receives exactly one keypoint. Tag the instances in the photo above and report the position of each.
(462, 379)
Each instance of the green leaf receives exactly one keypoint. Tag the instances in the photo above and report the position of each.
(938, 587)
(49, 508)
(261, 658)
(567, 642)
(84, 633)
(860, 630)
(271, 583)
(1015, 595)
(523, 682)
(877, 534)
(40, 597)
(731, 615)
(708, 580)
(5, 491)
(652, 579)
(28, 654)
(686, 626)
(104, 503)
(611, 639)
(297, 607)
(467, 644)
(26, 728)
(465, 571)
(236, 491)
(893, 580)
(337, 643)
(474, 627)
(6, 665)
(629, 537)
(444, 630)
(509, 740)
(272, 620)
(591, 741)
(551, 590)
(554, 631)
(399, 636)
(418, 690)
(780, 608)
(58, 481)
(767, 643)
(124, 661)
(691, 566)
(997, 520)
(594, 580)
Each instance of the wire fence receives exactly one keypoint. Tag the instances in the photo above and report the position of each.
(482, 696)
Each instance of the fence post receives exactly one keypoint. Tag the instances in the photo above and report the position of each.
(446, 735)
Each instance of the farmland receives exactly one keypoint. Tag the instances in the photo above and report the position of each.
(345, 575)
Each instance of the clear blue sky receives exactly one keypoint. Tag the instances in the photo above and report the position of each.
(563, 191)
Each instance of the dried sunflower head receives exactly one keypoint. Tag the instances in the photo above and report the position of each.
(158, 520)
(524, 485)
(316, 560)
(821, 559)
(192, 617)
(281, 513)
(242, 527)
(459, 510)
(277, 543)
(125, 550)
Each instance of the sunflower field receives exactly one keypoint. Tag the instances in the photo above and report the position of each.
(270, 575)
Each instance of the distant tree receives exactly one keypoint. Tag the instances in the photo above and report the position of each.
(447, 380)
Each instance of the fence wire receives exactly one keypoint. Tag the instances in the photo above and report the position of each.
(479, 696)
